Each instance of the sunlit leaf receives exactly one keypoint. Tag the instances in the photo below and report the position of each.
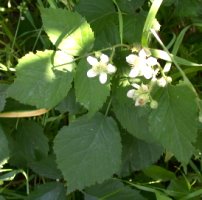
(69, 31)
(40, 82)
(91, 148)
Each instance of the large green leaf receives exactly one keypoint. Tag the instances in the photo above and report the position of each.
(4, 151)
(28, 144)
(88, 151)
(107, 36)
(133, 119)
(89, 91)
(102, 16)
(67, 30)
(94, 10)
(48, 191)
(103, 19)
(133, 27)
(3, 89)
(138, 154)
(113, 190)
(41, 83)
(174, 123)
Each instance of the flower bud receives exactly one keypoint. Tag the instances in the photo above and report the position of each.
(154, 104)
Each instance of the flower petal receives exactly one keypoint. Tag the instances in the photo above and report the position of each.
(147, 72)
(131, 93)
(167, 68)
(134, 72)
(131, 59)
(111, 68)
(142, 53)
(151, 61)
(103, 78)
(104, 58)
(92, 60)
(135, 85)
(91, 73)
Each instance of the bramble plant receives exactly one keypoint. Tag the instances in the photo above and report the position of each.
(101, 100)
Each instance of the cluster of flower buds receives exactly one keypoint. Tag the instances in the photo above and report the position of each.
(141, 95)
(146, 66)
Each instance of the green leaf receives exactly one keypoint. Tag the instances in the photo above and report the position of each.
(4, 151)
(69, 104)
(159, 173)
(174, 123)
(107, 36)
(89, 91)
(113, 190)
(38, 82)
(50, 191)
(131, 6)
(138, 154)
(102, 16)
(134, 119)
(3, 89)
(94, 10)
(2, 198)
(69, 31)
(179, 187)
(28, 144)
(185, 8)
(161, 196)
(91, 148)
(46, 167)
(133, 27)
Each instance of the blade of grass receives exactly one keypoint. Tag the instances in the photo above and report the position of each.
(120, 21)
(149, 22)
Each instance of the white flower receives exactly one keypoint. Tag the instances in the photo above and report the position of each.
(141, 65)
(100, 67)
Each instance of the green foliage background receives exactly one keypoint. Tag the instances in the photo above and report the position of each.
(64, 135)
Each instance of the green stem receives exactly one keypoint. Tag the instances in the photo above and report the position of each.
(173, 60)
(108, 107)
(91, 53)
